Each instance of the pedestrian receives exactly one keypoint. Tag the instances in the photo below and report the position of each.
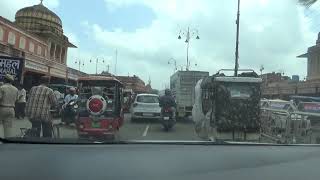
(8, 98)
(21, 103)
(41, 100)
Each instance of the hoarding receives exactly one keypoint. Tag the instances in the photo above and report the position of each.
(11, 65)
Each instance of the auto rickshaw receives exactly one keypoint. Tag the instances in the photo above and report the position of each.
(100, 107)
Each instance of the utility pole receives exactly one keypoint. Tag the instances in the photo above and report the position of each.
(115, 66)
(236, 66)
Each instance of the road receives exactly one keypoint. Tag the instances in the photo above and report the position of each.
(140, 130)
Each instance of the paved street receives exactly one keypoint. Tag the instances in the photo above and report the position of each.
(140, 130)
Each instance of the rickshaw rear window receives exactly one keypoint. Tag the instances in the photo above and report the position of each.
(239, 90)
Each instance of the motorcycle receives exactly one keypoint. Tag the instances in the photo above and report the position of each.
(70, 112)
(168, 119)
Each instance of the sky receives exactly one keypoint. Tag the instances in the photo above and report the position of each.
(145, 35)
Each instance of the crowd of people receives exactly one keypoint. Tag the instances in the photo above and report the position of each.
(41, 99)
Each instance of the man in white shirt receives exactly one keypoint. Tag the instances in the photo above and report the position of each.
(21, 102)
(71, 96)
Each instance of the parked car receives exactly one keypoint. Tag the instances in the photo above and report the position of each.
(145, 106)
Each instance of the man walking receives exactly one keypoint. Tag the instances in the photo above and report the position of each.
(21, 103)
(8, 98)
(41, 100)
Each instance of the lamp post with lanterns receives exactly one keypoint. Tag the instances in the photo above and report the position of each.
(79, 62)
(189, 33)
(97, 62)
(174, 63)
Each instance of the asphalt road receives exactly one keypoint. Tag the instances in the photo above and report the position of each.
(139, 130)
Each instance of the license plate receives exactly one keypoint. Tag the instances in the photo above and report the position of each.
(147, 114)
(166, 118)
(95, 124)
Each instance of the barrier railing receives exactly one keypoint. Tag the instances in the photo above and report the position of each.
(286, 126)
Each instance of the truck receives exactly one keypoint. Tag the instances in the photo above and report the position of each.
(182, 84)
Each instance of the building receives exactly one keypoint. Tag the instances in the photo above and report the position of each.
(133, 83)
(37, 37)
(313, 58)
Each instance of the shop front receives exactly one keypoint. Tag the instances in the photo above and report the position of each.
(32, 73)
(58, 76)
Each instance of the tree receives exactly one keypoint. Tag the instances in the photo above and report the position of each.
(307, 3)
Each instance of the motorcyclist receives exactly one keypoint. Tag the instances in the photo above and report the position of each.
(71, 96)
(167, 101)
(66, 111)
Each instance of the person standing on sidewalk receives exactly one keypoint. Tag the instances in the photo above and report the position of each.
(41, 100)
(8, 98)
(21, 103)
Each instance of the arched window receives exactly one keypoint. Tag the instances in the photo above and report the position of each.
(22, 43)
(1, 33)
(12, 38)
(31, 47)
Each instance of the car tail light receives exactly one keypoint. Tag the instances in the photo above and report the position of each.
(95, 105)
(135, 104)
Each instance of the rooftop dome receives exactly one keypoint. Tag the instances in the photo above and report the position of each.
(39, 19)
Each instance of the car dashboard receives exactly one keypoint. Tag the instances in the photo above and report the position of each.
(158, 161)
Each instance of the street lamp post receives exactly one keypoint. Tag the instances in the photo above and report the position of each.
(189, 33)
(97, 61)
(79, 62)
(174, 63)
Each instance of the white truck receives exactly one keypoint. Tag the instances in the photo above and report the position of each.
(182, 85)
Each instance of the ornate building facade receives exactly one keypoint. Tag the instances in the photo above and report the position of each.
(37, 36)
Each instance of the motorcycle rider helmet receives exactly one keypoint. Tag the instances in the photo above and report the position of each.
(167, 92)
(72, 89)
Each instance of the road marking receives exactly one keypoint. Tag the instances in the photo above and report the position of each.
(146, 131)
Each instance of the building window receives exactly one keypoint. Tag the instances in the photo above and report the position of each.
(22, 43)
(11, 38)
(39, 50)
(1, 33)
(31, 47)
(45, 53)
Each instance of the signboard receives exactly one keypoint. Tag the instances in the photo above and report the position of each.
(58, 72)
(310, 107)
(72, 76)
(11, 65)
(36, 66)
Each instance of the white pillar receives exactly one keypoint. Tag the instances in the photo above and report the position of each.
(60, 54)
(54, 52)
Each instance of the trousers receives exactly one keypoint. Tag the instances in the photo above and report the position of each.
(45, 126)
(6, 122)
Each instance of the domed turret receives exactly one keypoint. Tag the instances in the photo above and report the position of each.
(39, 19)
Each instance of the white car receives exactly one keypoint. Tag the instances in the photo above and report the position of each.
(145, 106)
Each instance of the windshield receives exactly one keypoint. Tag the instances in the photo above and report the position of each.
(148, 99)
(160, 70)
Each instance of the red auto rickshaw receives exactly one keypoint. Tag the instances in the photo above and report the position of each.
(100, 107)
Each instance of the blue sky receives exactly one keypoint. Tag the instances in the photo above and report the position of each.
(272, 34)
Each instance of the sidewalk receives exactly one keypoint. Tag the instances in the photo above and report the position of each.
(65, 132)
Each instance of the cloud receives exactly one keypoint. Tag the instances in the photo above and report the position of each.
(272, 33)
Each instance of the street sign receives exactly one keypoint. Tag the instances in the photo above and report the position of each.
(11, 65)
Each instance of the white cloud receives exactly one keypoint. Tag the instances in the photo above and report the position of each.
(272, 33)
